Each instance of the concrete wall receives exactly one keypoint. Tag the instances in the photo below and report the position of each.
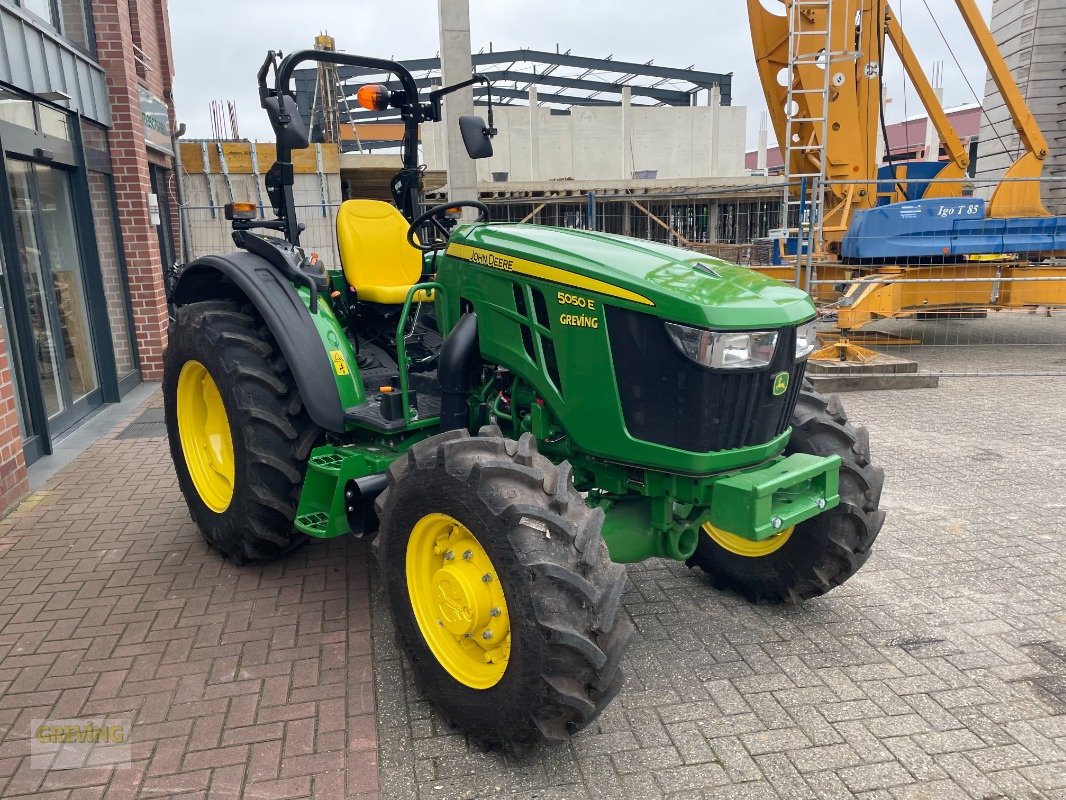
(590, 143)
(1032, 36)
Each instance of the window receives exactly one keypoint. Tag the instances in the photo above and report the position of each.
(16, 109)
(76, 24)
(71, 18)
(24, 112)
(101, 198)
(42, 9)
(54, 122)
(14, 360)
(100, 193)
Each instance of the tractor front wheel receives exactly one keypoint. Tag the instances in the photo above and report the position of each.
(239, 434)
(813, 557)
(501, 589)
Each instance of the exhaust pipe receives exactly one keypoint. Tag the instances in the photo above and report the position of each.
(359, 497)
(457, 371)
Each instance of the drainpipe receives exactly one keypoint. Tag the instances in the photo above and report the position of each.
(179, 190)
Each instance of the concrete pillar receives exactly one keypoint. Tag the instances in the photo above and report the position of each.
(764, 136)
(932, 138)
(714, 212)
(627, 133)
(534, 136)
(714, 100)
(456, 66)
(881, 146)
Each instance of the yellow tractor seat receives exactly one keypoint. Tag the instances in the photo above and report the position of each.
(378, 262)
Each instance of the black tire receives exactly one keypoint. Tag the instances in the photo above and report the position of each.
(568, 632)
(272, 435)
(822, 552)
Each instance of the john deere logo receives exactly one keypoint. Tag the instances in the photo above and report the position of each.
(780, 383)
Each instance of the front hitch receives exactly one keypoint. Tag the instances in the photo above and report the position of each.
(755, 503)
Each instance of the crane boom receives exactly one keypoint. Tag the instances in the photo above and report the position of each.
(952, 143)
(1019, 194)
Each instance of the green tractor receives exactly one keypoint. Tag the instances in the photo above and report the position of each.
(516, 411)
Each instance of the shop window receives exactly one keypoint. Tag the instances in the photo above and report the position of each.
(14, 360)
(109, 247)
(35, 284)
(100, 194)
(68, 281)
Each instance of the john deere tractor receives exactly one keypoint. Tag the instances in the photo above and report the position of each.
(516, 412)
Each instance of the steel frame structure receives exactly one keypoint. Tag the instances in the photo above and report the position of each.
(570, 80)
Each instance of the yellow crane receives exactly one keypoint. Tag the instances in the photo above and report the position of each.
(820, 63)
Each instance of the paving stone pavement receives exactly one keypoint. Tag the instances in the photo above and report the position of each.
(939, 671)
(253, 682)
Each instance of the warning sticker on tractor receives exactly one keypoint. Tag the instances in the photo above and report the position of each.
(340, 366)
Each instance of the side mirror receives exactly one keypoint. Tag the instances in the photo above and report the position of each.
(285, 119)
(476, 137)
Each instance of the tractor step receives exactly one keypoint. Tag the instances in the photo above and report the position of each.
(314, 524)
(424, 388)
(369, 415)
(340, 486)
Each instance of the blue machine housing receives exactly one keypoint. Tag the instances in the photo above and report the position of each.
(946, 228)
(917, 175)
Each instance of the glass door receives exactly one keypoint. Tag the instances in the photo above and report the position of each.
(53, 281)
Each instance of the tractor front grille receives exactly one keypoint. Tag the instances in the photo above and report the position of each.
(670, 400)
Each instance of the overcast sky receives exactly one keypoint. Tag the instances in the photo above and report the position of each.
(219, 44)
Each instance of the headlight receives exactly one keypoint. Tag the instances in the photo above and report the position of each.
(724, 350)
(806, 340)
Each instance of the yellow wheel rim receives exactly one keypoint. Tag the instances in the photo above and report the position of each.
(203, 428)
(458, 601)
(746, 547)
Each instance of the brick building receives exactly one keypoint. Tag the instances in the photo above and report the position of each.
(86, 189)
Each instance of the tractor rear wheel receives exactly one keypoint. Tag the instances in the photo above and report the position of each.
(239, 434)
(809, 559)
(501, 589)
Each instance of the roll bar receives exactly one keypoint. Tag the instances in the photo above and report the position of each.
(408, 104)
(280, 104)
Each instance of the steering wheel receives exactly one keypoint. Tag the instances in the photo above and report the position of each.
(435, 217)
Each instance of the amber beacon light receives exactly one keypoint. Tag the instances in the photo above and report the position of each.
(373, 97)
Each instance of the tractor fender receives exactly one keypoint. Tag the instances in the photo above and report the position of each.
(457, 369)
(285, 314)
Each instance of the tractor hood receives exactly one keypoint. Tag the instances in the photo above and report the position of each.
(672, 283)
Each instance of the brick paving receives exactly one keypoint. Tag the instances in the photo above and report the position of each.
(253, 682)
(939, 672)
